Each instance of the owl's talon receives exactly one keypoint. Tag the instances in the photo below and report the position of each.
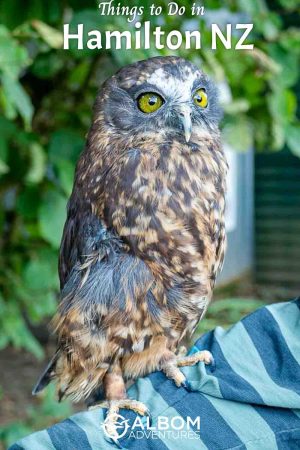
(187, 385)
(172, 371)
(111, 420)
(116, 442)
(113, 406)
(212, 363)
(149, 415)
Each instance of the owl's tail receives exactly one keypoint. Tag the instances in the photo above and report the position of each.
(47, 375)
(96, 303)
(70, 383)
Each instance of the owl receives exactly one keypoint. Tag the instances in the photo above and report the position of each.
(144, 236)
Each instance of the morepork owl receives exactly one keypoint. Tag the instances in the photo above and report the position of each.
(144, 236)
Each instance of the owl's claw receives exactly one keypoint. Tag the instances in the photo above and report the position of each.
(126, 403)
(116, 442)
(172, 371)
(186, 384)
(110, 424)
(212, 363)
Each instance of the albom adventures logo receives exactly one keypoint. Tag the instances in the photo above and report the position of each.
(176, 427)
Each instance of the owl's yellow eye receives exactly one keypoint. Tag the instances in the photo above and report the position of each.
(200, 98)
(149, 102)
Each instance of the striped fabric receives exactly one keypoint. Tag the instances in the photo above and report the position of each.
(249, 400)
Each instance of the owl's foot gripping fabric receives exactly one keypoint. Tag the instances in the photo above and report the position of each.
(113, 407)
(171, 366)
(111, 422)
(116, 399)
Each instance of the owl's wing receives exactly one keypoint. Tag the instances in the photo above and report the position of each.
(83, 233)
(68, 254)
(98, 278)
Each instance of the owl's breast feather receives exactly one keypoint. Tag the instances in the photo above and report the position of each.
(158, 200)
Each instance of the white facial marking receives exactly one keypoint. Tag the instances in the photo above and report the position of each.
(174, 87)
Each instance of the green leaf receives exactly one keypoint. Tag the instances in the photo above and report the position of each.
(52, 215)
(14, 327)
(8, 107)
(290, 41)
(278, 134)
(7, 128)
(65, 171)
(46, 65)
(237, 106)
(52, 408)
(13, 57)
(53, 37)
(37, 167)
(293, 139)
(3, 167)
(28, 202)
(289, 4)
(237, 133)
(271, 26)
(253, 7)
(13, 432)
(288, 63)
(65, 144)
(40, 273)
(79, 73)
(282, 106)
(18, 98)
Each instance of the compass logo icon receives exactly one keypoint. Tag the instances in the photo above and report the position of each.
(116, 430)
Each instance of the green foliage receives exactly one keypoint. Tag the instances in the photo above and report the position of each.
(46, 95)
(45, 414)
(226, 312)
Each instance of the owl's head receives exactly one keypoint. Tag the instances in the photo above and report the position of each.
(161, 95)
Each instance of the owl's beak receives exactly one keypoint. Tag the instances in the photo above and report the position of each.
(185, 115)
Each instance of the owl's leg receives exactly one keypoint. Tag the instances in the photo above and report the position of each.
(159, 357)
(116, 399)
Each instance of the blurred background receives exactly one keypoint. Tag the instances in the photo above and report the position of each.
(46, 96)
